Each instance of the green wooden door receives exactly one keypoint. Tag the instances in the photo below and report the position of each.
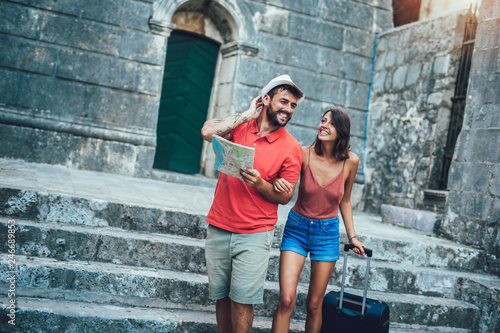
(187, 84)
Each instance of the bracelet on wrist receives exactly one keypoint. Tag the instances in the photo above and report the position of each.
(350, 239)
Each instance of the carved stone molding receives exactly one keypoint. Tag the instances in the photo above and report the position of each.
(160, 27)
(239, 47)
(17, 118)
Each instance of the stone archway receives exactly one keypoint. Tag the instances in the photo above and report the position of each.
(229, 23)
(236, 14)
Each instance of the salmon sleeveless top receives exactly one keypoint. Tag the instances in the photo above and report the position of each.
(319, 202)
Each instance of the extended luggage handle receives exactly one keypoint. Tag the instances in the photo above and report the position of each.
(368, 253)
(348, 247)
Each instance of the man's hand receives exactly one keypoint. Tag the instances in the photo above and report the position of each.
(254, 109)
(224, 126)
(251, 177)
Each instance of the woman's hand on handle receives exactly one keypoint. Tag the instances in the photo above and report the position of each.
(359, 246)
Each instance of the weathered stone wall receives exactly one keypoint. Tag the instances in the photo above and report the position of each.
(413, 83)
(80, 83)
(327, 49)
(83, 77)
(473, 215)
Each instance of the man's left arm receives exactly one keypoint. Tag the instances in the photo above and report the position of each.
(253, 179)
(290, 170)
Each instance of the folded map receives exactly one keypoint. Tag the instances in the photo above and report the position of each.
(231, 157)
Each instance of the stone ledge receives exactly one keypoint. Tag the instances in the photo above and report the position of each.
(435, 201)
(408, 218)
(405, 308)
(180, 178)
(80, 316)
(77, 152)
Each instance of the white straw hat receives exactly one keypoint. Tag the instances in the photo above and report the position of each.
(279, 80)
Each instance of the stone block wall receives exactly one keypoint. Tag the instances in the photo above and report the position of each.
(80, 83)
(326, 48)
(473, 215)
(413, 82)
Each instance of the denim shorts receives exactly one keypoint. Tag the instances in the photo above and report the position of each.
(320, 238)
(237, 264)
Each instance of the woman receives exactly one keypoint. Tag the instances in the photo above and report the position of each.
(328, 172)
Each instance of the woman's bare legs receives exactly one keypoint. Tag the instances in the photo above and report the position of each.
(291, 265)
(321, 271)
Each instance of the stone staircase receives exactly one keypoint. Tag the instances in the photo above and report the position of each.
(99, 252)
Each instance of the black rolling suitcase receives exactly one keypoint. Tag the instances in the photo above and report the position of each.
(344, 312)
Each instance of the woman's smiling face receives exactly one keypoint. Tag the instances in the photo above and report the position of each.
(326, 130)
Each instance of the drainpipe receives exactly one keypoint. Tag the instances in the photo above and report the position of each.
(366, 116)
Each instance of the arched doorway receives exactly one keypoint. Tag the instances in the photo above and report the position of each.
(222, 21)
(187, 84)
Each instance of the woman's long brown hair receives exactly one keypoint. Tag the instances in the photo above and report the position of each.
(342, 124)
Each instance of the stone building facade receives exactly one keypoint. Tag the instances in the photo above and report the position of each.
(473, 214)
(414, 80)
(82, 84)
(413, 84)
(79, 83)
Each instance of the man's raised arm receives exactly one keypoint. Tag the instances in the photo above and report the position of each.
(223, 126)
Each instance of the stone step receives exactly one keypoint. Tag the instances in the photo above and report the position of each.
(390, 243)
(111, 245)
(111, 204)
(58, 194)
(46, 315)
(409, 218)
(413, 247)
(181, 178)
(68, 242)
(416, 249)
(435, 201)
(402, 328)
(404, 279)
(383, 277)
(145, 287)
(104, 244)
(81, 210)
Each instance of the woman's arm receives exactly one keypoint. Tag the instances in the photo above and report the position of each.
(346, 206)
(223, 126)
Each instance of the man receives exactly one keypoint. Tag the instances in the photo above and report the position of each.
(243, 214)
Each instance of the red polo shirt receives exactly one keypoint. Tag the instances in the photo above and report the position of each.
(241, 209)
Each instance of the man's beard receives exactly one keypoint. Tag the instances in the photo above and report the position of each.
(273, 117)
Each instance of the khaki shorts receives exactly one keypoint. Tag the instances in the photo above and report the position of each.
(237, 264)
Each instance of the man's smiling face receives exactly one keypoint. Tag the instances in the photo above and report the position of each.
(281, 108)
